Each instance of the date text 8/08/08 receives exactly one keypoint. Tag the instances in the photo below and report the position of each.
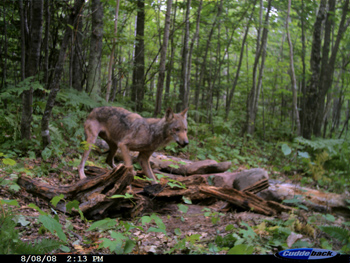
(60, 258)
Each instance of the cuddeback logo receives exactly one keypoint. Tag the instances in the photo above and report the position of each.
(306, 253)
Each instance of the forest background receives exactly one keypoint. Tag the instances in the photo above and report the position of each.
(266, 82)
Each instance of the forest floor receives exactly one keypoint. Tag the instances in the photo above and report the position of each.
(204, 221)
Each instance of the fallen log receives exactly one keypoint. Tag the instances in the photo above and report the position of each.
(93, 193)
(315, 200)
(189, 168)
(245, 200)
(179, 166)
(257, 187)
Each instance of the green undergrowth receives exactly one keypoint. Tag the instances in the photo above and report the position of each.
(324, 163)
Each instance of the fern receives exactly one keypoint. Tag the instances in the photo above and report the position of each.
(320, 144)
(10, 242)
(39, 247)
(337, 232)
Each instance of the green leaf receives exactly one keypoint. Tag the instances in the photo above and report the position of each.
(22, 220)
(229, 227)
(9, 202)
(177, 231)
(65, 248)
(241, 249)
(183, 208)
(53, 226)
(186, 200)
(156, 230)
(103, 224)
(126, 196)
(129, 246)
(329, 217)
(46, 153)
(304, 155)
(37, 209)
(286, 149)
(145, 220)
(54, 201)
(8, 161)
(72, 204)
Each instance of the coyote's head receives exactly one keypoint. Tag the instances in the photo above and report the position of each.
(177, 126)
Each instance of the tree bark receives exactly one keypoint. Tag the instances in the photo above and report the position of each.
(230, 95)
(46, 41)
(322, 66)
(171, 60)
(55, 84)
(183, 92)
(163, 53)
(33, 40)
(111, 59)
(94, 69)
(201, 80)
(253, 97)
(5, 50)
(292, 73)
(77, 65)
(138, 82)
(194, 40)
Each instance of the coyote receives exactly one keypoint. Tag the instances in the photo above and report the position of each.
(130, 132)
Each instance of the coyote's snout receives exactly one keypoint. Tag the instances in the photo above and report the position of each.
(130, 132)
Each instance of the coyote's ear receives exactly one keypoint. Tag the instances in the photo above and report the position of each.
(169, 114)
(184, 113)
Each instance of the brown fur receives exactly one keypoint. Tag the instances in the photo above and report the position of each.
(130, 132)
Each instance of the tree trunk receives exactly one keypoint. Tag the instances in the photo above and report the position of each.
(292, 73)
(138, 82)
(55, 84)
(315, 65)
(303, 52)
(94, 69)
(201, 80)
(111, 59)
(33, 40)
(77, 65)
(171, 61)
(328, 72)
(183, 94)
(194, 40)
(163, 52)
(5, 50)
(253, 97)
(46, 42)
(322, 66)
(230, 95)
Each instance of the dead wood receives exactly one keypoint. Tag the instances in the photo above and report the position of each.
(188, 187)
(257, 187)
(179, 166)
(245, 200)
(92, 193)
(189, 168)
(315, 200)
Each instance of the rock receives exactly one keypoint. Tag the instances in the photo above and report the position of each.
(247, 178)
